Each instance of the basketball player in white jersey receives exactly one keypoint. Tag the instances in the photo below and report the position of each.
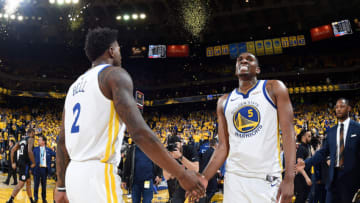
(249, 120)
(98, 106)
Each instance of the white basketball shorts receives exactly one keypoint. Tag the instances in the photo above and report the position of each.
(249, 190)
(92, 181)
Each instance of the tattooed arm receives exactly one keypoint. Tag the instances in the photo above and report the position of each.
(62, 157)
(116, 84)
(62, 161)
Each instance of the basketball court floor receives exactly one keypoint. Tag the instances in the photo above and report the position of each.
(6, 190)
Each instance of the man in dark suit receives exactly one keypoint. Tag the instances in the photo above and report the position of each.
(342, 144)
(43, 156)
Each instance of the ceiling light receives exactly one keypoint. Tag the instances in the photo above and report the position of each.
(20, 18)
(6, 16)
(51, 1)
(12, 17)
(68, 1)
(126, 17)
(39, 18)
(118, 17)
(135, 16)
(1, 15)
(142, 16)
(269, 27)
(60, 2)
(75, 1)
(26, 18)
(11, 6)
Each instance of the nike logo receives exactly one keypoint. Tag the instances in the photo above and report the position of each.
(272, 185)
(235, 99)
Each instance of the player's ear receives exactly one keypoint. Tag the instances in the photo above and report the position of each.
(258, 70)
(111, 52)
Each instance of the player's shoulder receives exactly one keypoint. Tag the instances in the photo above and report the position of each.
(275, 83)
(223, 100)
(113, 69)
(276, 87)
(114, 73)
(224, 97)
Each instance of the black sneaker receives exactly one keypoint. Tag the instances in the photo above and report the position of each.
(6, 183)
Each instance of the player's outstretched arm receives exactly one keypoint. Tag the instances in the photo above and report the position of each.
(62, 161)
(221, 152)
(116, 84)
(278, 90)
(30, 151)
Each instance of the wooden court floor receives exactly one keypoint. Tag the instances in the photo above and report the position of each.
(6, 190)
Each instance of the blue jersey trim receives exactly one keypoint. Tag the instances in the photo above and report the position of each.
(245, 96)
(227, 101)
(267, 96)
(108, 65)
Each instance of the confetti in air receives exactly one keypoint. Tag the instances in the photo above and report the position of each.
(195, 14)
(11, 6)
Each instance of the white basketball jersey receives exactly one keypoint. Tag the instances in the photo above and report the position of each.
(253, 127)
(93, 129)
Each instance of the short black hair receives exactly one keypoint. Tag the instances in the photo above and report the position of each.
(343, 98)
(98, 41)
(301, 134)
(174, 139)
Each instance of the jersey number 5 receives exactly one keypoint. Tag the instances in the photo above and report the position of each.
(76, 111)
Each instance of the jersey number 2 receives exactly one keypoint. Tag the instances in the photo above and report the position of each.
(76, 110)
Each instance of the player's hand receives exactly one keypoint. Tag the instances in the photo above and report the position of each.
(191, 182)
(32, 166)
(286, 191)
(13, 166)
(176, 154)
(60, 197)
(300, 165)
(193, 198)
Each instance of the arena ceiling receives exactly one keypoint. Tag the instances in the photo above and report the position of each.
(173, 21)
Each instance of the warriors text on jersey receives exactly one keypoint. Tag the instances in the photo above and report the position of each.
(253, 128)
(93, 129)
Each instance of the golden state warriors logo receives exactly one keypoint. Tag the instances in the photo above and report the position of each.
(246, 119)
